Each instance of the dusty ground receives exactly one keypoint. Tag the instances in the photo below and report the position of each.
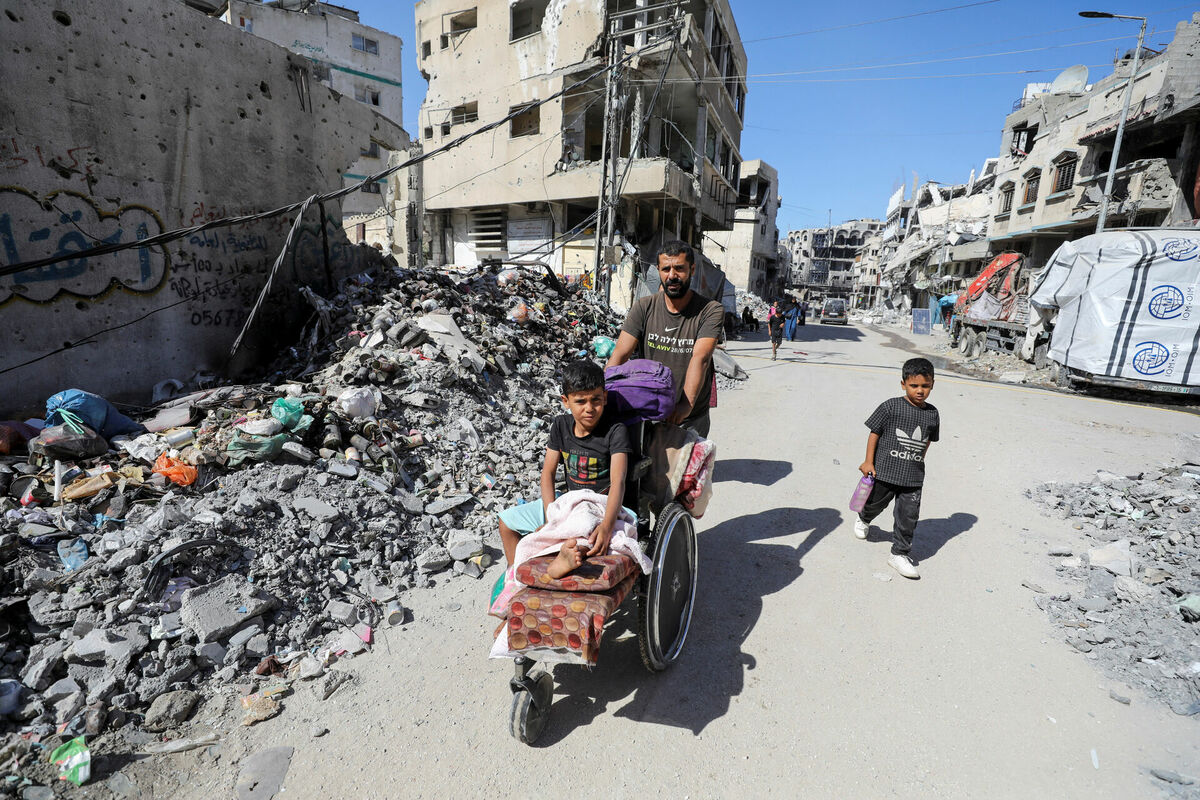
(805, 674)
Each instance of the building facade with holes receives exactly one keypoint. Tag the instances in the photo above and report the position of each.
(529, 190)
(749, 251)
(1057, 146)
(823, 259)
(361, 63)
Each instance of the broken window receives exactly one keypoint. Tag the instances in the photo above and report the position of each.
(526, 123)
(426, 49)
(445, 129)
(1006, 197)
(364, 44)
(526, 17)
(371, 188)
(1022, 139)
(370, 151)
(463, 21)
(428, 132)
(445, 41)
(467, 112)
(246, 24)
(1064, 171)
(364, 95)
(1033, 180)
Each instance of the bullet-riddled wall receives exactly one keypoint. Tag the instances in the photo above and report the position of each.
(122, 120)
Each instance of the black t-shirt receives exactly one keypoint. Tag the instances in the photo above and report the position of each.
(586, 460)
(775, 324)
(670, 338)
(905, 432)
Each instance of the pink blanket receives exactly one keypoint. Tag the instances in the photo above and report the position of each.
(574, 516)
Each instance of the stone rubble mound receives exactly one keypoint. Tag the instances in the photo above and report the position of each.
(289, 517)
(1135, 603)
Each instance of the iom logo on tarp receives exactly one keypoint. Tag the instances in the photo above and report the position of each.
(1180, 249)
(1150, 358)
(1166, 302)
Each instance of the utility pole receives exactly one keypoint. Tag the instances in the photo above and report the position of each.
(606, 144)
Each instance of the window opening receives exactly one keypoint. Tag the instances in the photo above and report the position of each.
(1064, 174)
(526, 17)
(1022, 140)
(371, 188)
(364, 44)
(364, 95)
(246, 24)
(426, 49)
(486, 228)
(370, 151)
(526, 123)
(466, 113)
(1032, 183)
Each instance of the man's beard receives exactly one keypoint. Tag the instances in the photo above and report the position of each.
(677, 289)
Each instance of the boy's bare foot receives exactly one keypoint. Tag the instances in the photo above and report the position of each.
(569, 557)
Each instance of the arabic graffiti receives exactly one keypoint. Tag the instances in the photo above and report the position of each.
(72, 161)
(64, 222)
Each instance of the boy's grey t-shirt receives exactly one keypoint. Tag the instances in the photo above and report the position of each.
(905, 431)
(670, 338)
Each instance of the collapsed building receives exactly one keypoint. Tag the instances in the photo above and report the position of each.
(189, 122)
(823, 259)
(536, 181)
(749, 252)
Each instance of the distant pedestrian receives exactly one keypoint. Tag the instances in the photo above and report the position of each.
(775, 324)
(792, 314)
(803, 312)
(902, 429)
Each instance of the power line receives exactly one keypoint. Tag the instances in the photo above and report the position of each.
(925, 77)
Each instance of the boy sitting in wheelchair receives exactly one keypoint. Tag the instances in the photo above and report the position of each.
(595, 454)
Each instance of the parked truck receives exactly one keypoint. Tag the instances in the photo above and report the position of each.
(1112, 309)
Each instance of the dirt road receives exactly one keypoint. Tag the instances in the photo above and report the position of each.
(806, 674)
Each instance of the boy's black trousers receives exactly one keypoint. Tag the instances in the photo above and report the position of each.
(905, 513)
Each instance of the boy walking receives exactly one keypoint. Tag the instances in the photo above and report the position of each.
(595, 456)
(902, 429)
(775, 323)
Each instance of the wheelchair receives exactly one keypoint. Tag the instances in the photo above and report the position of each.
(665, 599)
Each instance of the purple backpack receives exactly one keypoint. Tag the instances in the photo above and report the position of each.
(640, 389)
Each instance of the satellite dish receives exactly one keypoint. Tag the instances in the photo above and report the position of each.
(1071, 79)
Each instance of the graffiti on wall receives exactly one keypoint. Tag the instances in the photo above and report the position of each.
(64, 222)
(69, 162)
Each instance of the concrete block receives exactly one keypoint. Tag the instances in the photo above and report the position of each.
(218, 609)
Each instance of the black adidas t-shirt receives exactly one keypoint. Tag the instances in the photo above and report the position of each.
(586, 460)
(905, 432)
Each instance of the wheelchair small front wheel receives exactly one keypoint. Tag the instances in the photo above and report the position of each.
(665, 603)
(531, 709)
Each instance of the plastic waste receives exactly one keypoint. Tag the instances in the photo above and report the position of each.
(519, 312)
(265, 426)
(71, 441)
(175, 470)
(507, 277)
(74, 761)
(357, 403)
(245, 447)
(92, 410)
(146, 447)
(10, 696)
(861, 492)
(287, 411)
(73, 553)
(603, 346)
(468, 434)
(180, 437)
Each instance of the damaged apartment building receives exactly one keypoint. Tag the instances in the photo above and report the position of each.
(823, 259)
(748, 253)
(363, 64)
(1057, 149)
(535, 182)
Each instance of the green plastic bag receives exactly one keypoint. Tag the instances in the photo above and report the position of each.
(74, 761)
(603, 346)
(287, 411)
(247, 446)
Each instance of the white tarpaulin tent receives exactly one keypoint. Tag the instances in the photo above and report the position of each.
(1126, 303)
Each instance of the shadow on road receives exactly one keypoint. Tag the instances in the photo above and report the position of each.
(737, 569)
(759, 471)
(931, 535)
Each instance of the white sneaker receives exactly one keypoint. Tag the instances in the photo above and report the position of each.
(904, 565)
(860, 529)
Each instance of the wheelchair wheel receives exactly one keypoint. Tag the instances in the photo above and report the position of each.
(665, 604)
(531, 709)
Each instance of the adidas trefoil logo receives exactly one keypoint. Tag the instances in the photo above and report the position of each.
(917, 439)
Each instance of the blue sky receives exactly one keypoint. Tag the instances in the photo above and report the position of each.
(843, 139)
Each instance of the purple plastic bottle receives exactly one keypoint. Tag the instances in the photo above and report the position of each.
(861, 493)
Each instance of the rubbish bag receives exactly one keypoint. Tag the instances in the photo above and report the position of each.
(639, 389)
(68, 442)
(519, 313)
(74, 761)
(255, 448)
(93, 410)
(356, 403)
(603, 346)
(176, 471)
(73, 553)
(287, 411)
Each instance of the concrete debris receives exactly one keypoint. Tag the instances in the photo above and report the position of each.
(1138, 590)
(283, 519)
(262, 774)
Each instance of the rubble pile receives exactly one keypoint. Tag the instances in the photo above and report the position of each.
(994, 365)
(758, 306)
(262, 532)
(1136, 605)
